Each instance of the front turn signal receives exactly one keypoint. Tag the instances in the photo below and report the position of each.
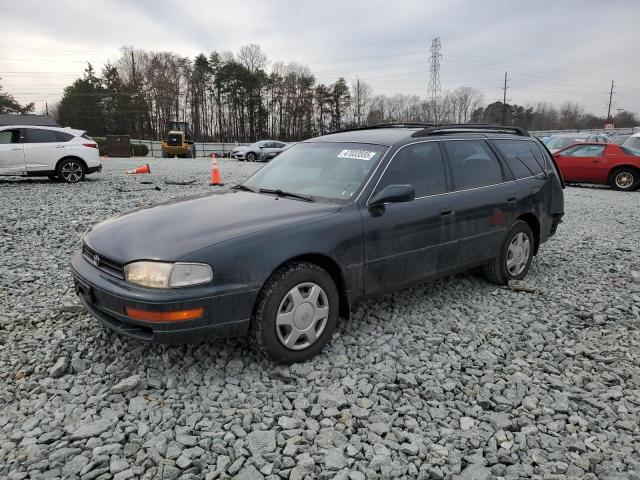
(164, 317)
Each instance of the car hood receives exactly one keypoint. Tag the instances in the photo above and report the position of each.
(171, 230)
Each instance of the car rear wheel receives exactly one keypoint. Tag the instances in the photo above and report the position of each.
(515, 257)
(624, 179)
(71, 170)
(251, 157)
(295, 314)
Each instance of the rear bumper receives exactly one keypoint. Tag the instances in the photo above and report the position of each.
(226, 314)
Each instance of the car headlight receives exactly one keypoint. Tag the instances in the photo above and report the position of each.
(167, 275)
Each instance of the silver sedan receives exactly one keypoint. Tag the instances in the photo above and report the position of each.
(261, 151)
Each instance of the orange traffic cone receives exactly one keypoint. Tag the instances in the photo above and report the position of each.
(215, 172)
(143, 169)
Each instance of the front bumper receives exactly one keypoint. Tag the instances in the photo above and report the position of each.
(226, 313)
(94, 169)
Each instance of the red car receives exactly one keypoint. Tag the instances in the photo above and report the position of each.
(616, 165)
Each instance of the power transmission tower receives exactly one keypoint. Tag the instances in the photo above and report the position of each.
(434, 91)
(504, 100)
(610, 98)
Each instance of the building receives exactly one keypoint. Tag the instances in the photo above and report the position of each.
(36, 120)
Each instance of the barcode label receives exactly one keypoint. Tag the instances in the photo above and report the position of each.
(357, 154)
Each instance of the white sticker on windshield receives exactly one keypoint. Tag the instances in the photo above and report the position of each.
(357, 154)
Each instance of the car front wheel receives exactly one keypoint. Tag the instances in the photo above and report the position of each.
(251, 157)
(296, 313)
(71, 170)
(515, 257)
(624, 179)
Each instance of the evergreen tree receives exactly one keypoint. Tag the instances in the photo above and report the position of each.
(82, 104)
(8, 104)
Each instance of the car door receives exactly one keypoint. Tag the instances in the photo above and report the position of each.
(405, 243)
(483, 199)
(583, 163)
(11, 152)
(42, 149)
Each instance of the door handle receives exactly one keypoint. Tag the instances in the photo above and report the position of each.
(445, 212)
(512, 198)
(18, 148)
(59, 146)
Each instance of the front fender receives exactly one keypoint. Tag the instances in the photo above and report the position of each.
(251, 259)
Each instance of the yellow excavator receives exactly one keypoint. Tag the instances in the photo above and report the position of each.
(179, 141)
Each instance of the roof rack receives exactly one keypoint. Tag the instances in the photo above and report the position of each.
(469, 127)
(387, 125)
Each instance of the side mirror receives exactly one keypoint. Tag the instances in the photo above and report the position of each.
(393, 194)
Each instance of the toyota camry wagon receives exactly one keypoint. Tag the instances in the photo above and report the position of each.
(284, 255)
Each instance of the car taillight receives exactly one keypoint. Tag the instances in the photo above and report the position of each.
(90, 145)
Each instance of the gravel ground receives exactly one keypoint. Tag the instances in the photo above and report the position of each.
(455, 379)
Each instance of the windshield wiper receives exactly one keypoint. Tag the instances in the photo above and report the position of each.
(244, 188)
(281, 193)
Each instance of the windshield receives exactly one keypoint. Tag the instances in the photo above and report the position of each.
(561, 142)
(333, 171)
(633, 142)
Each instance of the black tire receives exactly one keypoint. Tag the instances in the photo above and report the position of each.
(625, 179)
(189, 153)
(165, 154)
(264, 336)
(497, 271)
(71, 170)
(251, 157)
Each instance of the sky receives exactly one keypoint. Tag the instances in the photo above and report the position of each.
(553, 51)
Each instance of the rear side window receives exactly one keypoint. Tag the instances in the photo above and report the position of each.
(473, 164)
(524, 158)
(36, 135)
(420, 165)
(63, 137)
(9, 136)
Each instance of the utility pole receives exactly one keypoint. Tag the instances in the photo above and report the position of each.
(434, 91)
(504, 100)
(610, 98)
(46, 108)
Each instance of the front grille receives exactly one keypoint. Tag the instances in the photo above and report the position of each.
(105, 264)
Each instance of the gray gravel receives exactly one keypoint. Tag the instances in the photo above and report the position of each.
(455, 379)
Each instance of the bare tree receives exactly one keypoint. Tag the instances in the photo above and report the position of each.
(463, 101)
(361, 93)
(252, 57)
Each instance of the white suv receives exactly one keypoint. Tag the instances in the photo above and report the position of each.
(61, 153)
